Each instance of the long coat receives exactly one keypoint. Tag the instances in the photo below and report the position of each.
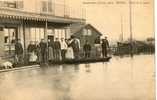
(75, 45)
(18, 48)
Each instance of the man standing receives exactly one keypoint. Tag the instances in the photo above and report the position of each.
(57, 47)
(51, 50)
(63, 48)
(87, 49)
(105, 46)
(76, 46)
(18, 52)
(43, 50)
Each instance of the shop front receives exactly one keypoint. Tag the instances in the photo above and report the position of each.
(9, 33)
(11, 30)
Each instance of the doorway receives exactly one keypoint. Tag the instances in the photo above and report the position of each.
(51, 38)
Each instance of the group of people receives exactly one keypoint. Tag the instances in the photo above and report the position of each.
(55, 50)
(101, 47)
(64, 49)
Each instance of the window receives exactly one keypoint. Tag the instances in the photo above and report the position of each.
(36, 34)
(56, 33)
(10, 36)
(12, 4)
(49, 6)
(87, 32)
(19, 4)
(59, 33)
(32, 35)
(63, 33)
(6, 36)
(46, 6)
(67, 33)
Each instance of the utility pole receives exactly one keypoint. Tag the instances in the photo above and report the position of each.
(131, 34)
(122, 28)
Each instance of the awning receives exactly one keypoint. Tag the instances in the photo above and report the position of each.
(23, 15)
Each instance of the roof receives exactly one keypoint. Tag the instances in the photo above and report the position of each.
(79, 28)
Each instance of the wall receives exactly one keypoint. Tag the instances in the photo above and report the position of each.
(90, 39)
(30, 7)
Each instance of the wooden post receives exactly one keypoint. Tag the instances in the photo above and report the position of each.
(24, 39)
(45, 35)
(65, 32)
(122, 33)
(46, 39)
(131, 34)
(2, 44)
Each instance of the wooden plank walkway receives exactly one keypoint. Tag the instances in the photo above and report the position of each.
(79, 61)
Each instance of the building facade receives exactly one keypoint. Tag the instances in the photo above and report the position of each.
(40, 19)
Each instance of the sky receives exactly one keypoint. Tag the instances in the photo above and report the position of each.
(109, 15)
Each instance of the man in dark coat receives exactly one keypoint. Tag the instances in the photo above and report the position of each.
(51, 50)
(18, 52)
(43, 50)
(87, 49)
(57, 49)
(105, 46)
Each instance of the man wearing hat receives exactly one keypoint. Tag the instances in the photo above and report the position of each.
(105, 46)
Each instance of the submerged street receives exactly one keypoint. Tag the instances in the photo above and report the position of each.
(123, 78)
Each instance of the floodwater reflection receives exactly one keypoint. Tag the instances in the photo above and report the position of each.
(120, 79)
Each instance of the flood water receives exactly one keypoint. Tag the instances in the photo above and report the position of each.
(122, 78)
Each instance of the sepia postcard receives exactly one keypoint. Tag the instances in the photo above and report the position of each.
(77, 50)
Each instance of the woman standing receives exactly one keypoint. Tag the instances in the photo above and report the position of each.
(69, 54)
(50, 50)
(31, 52)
